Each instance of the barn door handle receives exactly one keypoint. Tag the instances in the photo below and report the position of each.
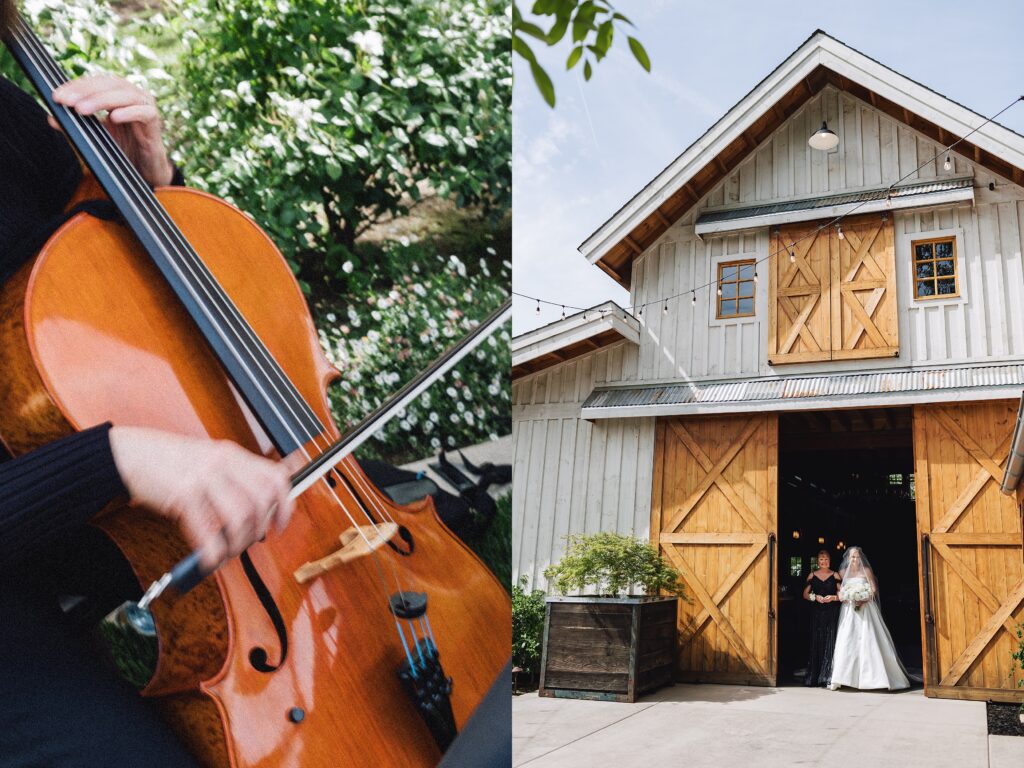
(926, 578)
(771, 575)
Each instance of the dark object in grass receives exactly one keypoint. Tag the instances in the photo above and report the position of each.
(1004, 719)
(133, 655)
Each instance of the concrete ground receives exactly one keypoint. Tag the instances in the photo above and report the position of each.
(717, 725)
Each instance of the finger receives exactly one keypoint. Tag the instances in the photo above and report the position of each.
(53, 123)
(109, 100)
(285, 506)
(202, 530)
(135, 113)
(75, 90)
(239, 517)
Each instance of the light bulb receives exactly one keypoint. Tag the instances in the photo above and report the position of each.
(755, 277)
(641, 312)
(538, 307)
(719, 289)
(664, 309)
(947, 165)
(563, 313)
(792, 257)
(693, 297)
(841, 235)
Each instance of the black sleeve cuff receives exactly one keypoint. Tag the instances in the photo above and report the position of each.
(54, 489)
(178, 178)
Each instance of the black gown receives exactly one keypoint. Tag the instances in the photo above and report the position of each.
(824, 622)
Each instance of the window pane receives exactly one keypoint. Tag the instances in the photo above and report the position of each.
(944, 267)
(727, 308)
(746, 272)
(746, 306)
(926, 269)
(944, 250)
(925, 288)
(729, 290)
(923, 251)
(729, 273)
(947, 286)
(747, 288)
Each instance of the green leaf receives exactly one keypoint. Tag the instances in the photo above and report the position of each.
(540, 77)
(604, 39)
(533, 31)
(574, 57)
(639, 53)
(333, 168)
(587, 70)
(557, 31)
(521, 47)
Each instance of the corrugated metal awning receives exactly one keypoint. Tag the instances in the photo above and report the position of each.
(808, 209)
(840, 390)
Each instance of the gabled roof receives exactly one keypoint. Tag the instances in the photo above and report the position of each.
(821, 60)
(572, 336)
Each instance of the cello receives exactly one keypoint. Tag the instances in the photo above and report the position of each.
(181, 315)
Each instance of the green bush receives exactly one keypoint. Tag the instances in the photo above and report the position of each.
(323, 116)
(527, 627)
(613, 564)
(1018, 659)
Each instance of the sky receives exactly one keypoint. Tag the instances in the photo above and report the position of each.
(574, 166)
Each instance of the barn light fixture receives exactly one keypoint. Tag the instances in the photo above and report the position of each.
(821, 539)
(823, 138)
(947, 165)
(796, 534)
(840, 545)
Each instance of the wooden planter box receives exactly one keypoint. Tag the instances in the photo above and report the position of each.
(608, 648)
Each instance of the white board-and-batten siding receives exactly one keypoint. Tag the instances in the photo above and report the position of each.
(874, 150)
(571, 475)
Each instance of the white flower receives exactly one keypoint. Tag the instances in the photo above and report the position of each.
(435, 443)
(451, 392)
(347, 267)
(369, 42)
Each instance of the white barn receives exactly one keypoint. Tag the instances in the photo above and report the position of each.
(784, 369)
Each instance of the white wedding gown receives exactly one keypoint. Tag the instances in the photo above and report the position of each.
(865, 656)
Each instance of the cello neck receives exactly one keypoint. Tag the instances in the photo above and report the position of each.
(277, 405)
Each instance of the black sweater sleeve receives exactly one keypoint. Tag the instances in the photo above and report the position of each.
(54, 489)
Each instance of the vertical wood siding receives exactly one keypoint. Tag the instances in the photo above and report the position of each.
(571, 475)
(874, 150)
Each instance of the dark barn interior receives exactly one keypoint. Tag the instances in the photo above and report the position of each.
(846, 478)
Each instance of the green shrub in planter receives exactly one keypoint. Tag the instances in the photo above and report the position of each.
(613, 564)
(527, 627)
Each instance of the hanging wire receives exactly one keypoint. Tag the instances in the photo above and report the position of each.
(789, 247)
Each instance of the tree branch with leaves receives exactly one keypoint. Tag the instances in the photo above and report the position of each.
(592, 24)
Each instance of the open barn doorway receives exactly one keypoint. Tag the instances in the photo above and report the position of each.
(846, 478)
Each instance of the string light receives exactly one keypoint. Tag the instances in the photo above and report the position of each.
(641, 312)
(563, 312)
(947, 165)
(719, 289)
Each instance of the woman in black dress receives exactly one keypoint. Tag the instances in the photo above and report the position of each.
(822, 591)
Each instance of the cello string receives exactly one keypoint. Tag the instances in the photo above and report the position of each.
(98, 131)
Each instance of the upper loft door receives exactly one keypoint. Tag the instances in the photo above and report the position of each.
(832, 297)
(864, 322)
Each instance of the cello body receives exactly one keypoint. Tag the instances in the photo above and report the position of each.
(90, 332)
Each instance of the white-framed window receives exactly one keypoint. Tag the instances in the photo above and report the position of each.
(935, 262)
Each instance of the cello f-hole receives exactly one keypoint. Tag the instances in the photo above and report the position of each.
(258, 656)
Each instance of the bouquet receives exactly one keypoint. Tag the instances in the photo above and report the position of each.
(856, 593)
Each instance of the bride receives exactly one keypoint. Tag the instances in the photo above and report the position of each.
(865, 656)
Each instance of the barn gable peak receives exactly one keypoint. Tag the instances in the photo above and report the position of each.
(819, 62)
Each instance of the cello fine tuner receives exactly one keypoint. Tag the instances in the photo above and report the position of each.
(356, 542)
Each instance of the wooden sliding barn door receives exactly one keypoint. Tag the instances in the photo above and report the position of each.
(832, 298)
(799, 296)
(714, 517)
(864, 322)
(970, 548)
